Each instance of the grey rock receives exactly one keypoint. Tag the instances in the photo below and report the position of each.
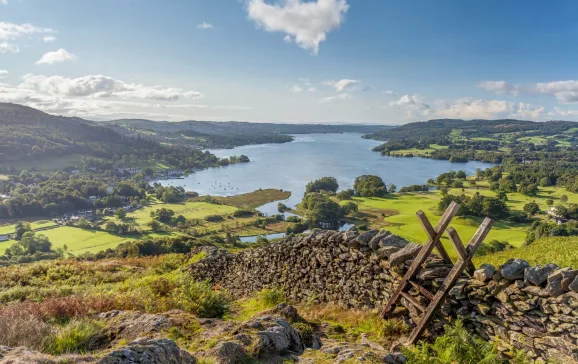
(568, 276)
(407, 253)
(484, 273)
(366, 237)
(228, 352)
(374, 243)
(514, 269)
(393, 241)
(538, 274)
(574, 285)
(279, 337)
(159, 351)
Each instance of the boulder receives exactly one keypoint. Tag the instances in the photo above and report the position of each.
(514, 269)
(393, 241)
(374, 243)
(574, 285)
(407, 253)
(228, 352)
(568, 276)
(366, 237)
(484, 273)
(538, 274)
(146, 351)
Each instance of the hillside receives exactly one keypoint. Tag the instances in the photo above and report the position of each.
(30, 135)
(448, 129)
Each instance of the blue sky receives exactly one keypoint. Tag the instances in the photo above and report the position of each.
(368, 61)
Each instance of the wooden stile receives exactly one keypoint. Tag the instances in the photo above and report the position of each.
(464, 262)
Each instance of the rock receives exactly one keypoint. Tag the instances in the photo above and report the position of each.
(432, 273)
(374, 243)
(393, 241)
(228, 352)
(538, 274)
(574, 285)
(131, 325)
(278, 337)
(370, 344)
(407, 253)
(288, 312)
(147, 351)
(484, 273)
(514, 269)
(366, 237)
(554, 286)
(394, 358)
(568, 276)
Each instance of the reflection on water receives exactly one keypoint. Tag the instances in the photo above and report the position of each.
(341, 226)
(290, 166)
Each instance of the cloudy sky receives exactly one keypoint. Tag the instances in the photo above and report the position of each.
(328, 61)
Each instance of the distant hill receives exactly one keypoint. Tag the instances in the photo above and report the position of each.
(441, 129)
(30, 134)
(236, 127)
(226, 134)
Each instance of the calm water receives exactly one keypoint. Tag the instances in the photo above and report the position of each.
(291, 166)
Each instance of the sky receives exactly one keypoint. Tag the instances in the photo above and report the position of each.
(292, 61)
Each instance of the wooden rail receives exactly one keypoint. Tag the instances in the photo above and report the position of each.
(464, 262)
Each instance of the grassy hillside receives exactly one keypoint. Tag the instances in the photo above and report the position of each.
(559, 250)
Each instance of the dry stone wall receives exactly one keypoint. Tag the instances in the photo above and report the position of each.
(531, 308)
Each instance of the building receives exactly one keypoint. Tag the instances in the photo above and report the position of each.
(4, 238)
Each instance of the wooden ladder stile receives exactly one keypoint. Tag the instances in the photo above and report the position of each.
(464, 262)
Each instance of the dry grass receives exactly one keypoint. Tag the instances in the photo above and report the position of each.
(354, 322)
(30, 332)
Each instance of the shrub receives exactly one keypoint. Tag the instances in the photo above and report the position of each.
(369, 186)
(214, 218)
(345, 194)
(30, 332)
(78, 336)
(455, 346)
(272, 297)
(199, 299)
(243, 213)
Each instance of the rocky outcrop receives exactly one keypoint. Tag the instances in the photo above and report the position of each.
(149, 351)
(532, 308)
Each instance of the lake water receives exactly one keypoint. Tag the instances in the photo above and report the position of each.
(290, 166)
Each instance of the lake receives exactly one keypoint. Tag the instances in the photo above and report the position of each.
(290, 166)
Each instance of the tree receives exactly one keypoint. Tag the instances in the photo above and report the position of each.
(461, 174)
(120, 214)
(155, 226)
(321, 208)
(349, 207)
(531, 208)
(369, 186)
(549, 202)
(21, 228)
(545, 182)
(323, 184)
(392, 188)
(163, 215)
(345, 194)
(83, 223)
(564, 198)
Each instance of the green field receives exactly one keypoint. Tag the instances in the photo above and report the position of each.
(559, 250)
(400, 218)
(190, 210)
(254, 199)
(9, 229)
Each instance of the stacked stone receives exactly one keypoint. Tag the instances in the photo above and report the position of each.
(534, 309)
(348, 268)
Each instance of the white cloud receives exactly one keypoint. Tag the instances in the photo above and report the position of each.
(11, 31)
(288, 39)
(306, 22)
(61, 55)
(335, 98)
(6, 47)
(474, 109)
(390, 93)
(527, 111)
(296, 88)
(102, 97)
(311, 89)
(499, 87)
(3, 2)
(205, 25)
(3, 73)
(102, 86)
(564, 91)
(48, 39)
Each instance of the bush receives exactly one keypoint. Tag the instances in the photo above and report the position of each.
(323, 184)
(455, 346)
(369, 186)
(243, 213)
(78, 336)
(30, 332)
(493, 247)
(198, 298)
(272, 297)
(214, 218)
(345, 194)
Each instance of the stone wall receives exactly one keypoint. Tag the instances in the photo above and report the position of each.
(530, 308)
